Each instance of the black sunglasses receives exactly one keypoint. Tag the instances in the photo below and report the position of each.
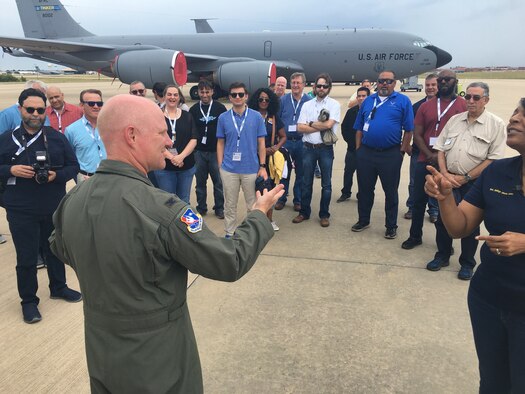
(387, 81)
(137, 91)
(93, 103)
(445, 79)
(475, 97)
(263, 100)
(32, 110)
(322, 86)
(234, 95)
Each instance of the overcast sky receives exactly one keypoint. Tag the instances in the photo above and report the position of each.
(476, 33)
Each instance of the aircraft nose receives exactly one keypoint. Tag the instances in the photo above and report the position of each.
(442, 57)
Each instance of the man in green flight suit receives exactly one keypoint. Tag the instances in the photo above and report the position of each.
(132, 245)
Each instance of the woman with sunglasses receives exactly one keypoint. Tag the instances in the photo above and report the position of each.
(496, 296)
(177, 176)
(266, 102)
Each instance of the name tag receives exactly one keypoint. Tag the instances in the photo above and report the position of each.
(237, 156)
(204, 140)
(173, 151)
(433, 141)
(365, 127)
(292, 128)
(11, 181)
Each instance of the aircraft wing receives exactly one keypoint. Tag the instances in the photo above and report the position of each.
(38, 45)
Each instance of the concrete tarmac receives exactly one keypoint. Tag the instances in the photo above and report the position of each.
(324, 310)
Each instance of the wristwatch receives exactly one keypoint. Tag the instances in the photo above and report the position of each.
(310, 123)
(468, 178)
(262, 165)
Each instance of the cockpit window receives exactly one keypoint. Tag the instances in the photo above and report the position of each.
(421, 43)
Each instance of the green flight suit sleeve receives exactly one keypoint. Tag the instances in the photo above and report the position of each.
(214, 257)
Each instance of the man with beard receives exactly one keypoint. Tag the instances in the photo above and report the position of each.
(60, 113)
(430, 120)
(36, 162)
(381, 144)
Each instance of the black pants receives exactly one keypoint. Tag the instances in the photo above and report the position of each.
(28, 232)
(348, 177)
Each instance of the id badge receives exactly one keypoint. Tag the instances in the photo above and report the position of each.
(237, 156)
(433, 141)
(292, 128)
(11, 180)
(204, 140)
(365, 127)
(173, 151)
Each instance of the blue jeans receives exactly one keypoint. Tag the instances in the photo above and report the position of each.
(433, 207)
(385, 164)
(324, 156)
(206, 163)
(295, 148)
(176, 182)
(499, 337)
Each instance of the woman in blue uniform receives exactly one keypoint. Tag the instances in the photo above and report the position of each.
(496, 297)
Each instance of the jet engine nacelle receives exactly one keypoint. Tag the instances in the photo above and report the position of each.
(254, 74)
(150, 66)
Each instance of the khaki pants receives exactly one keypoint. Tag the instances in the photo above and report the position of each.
(231, 184)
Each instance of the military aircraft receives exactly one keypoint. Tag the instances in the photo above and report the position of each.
(52, 35)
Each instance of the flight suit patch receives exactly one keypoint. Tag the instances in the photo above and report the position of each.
(192, 220)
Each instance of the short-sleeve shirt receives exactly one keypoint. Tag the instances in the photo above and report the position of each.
(310, 113)
(390, 117)
(427, 117)
(207, 124)
(501, 279)
(248, 140)
(185, 131)
(86, 143)
(466, 145)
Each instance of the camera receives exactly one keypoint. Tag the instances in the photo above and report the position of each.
(41, 167)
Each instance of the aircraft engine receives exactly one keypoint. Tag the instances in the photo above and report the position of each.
(150, 66)
(255, 74)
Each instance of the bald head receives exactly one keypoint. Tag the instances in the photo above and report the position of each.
(134, 131)
(55, 97)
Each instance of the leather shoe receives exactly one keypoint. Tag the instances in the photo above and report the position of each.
(219, 213)
(297, 207)
(436, 265)
(325, 222)
(68, 295)
(343, 197)
(279, 205)
(299, 219)
(408, 215)
(465, 273)
(411, 243)
(31, 313)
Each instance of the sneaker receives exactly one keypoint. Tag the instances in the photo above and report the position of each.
(31, 313)
(360, 226)
(2, 239)
(408, 215)
(343, 197)
(40, 263)
(411, 243)
(219, 213)
(465, 273)
(390, 233)
(68, 295)
(275, 226)
(436, 265)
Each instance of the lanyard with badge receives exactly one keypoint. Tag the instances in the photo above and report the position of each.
(293, 127)
(173, 124)
(96, 138)
(206, 119)
(23, 147)
(237, 154)
(373, 111)
(433, 139)
(59, 117)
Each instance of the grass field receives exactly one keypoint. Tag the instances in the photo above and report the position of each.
(518, 74)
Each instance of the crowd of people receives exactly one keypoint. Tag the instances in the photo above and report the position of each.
(452, 142)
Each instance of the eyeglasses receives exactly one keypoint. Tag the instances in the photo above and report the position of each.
(387, 81)
(93, 103)
(32, 110)
(138, 91)
(322, 86)
(475, 97)
(263, 100)
(235, 95)
(445, 79)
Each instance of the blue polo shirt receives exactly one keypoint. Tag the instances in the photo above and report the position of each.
(289, 112)
(500, 279)
(253, 129)
(390, 119)
(10, 119)
(86, 144)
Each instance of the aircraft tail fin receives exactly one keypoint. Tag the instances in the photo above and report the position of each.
(202, 25)
(48, 20)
